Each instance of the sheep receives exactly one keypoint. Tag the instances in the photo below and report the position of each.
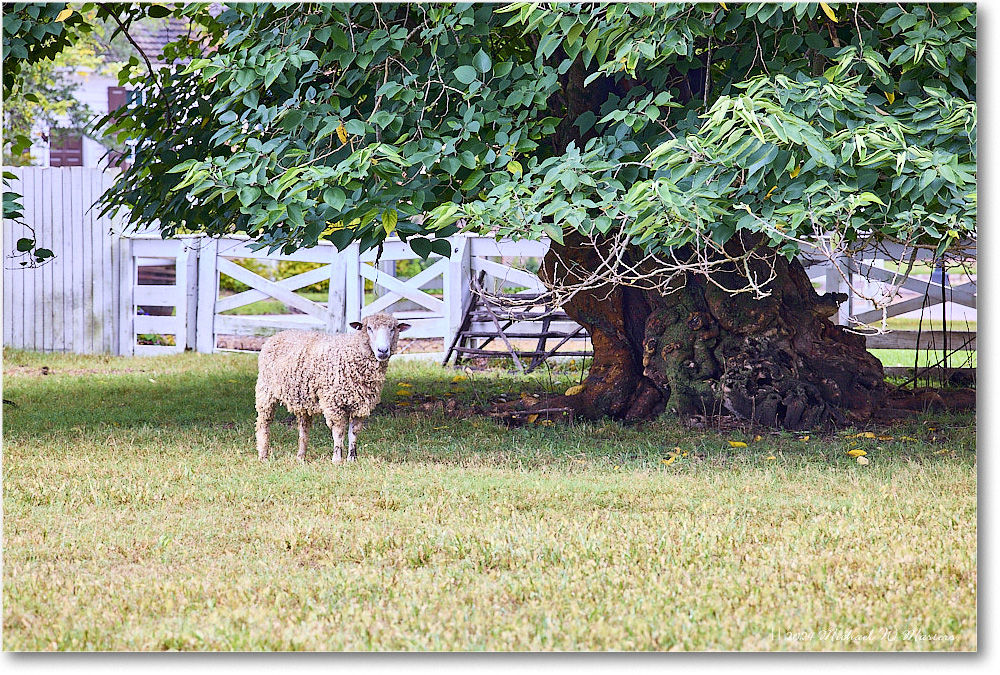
(339, 376)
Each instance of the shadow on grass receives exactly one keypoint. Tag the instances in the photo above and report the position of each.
(213, 398)
(60, 403)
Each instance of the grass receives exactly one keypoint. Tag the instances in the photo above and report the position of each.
(136, 516)
(962, 358)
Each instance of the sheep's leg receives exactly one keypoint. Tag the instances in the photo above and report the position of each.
(337, 420)
(265, 415)
(357, 424)
(305, 421)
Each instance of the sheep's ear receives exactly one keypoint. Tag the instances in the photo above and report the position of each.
(403, 326)
(356, 325)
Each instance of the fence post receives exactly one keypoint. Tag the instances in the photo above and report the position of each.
(354, 293)
(835, 273)
(336, 305)
(191, 292)
(457, 285)
(208, 293)
(126, 304)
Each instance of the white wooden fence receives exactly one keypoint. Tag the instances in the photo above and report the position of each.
(199, 310)
(89, 298)
(72, 303)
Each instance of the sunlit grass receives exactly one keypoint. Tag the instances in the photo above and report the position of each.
(926, 357)
(136, 516)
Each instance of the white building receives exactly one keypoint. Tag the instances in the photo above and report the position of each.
(101, 92)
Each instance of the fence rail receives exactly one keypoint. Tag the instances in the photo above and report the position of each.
(95, 296)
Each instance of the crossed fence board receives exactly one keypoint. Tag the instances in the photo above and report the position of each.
(457, 315)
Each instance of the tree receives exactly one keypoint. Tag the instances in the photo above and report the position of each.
(39, 40)
(677, 155)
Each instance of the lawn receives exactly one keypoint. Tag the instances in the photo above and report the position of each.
(137, 517)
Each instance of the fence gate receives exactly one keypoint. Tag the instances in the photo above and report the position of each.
(158, 310)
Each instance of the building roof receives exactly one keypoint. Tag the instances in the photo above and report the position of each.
(152, 36)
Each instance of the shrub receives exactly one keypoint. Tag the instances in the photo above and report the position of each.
(290, 268)
(227, 283)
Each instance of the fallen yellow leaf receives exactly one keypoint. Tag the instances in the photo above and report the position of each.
(804, 438)
(532, 418)
(459, 378)
(737, 444)
(669, 460)
(758, 438)
(403, 403)
(404, 392)
(886, 438)
(771, 457)
(547, 423)
(857, 452)
(577, 389)
(404, 384)
(864, 434)
(863, 461)
(911, 439)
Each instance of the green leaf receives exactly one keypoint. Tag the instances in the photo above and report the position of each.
(420, 245)
(159, 11)
(295, 215)
(339, 37)
(24, 245)
(334, 197)
(482, 62)
(554, 231)
(441, 246)
(466, 74)
(574, 33)
(389, 220)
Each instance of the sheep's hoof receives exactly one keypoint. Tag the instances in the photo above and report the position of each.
(338, 460)
(352, 458)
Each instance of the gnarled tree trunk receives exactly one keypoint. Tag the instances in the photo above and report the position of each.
(779, 361)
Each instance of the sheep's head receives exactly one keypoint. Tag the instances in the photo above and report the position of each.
(383, 333)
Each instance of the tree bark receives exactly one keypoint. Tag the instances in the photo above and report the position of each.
(778, 361)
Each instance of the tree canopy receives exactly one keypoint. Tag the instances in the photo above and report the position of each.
(663, 124)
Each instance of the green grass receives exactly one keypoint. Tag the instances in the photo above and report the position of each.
(925, 357)
(899, 323)
(136, 516)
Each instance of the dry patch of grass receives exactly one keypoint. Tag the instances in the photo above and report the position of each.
(136, 516)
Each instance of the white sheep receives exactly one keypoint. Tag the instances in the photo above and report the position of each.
(339, 376)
